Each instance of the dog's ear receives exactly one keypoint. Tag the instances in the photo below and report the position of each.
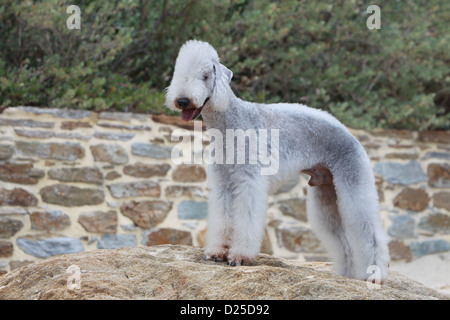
(221, 96)
(227, 73)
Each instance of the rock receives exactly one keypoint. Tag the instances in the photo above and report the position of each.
(437, 155)
(135, 189)
(112, 175)
(192, 210)
(294, 207)
(20, 173)
(436, 222)
(38, 134)
(86, 175)
(115, 241)
(392, 133)
(6, 249)
(17, 197)
(298, 239)
(412, 199)
(398, 173)
(6, 151)
(401, 227)
(189, 173)
(439, 136)
(151, 150)
(439, 175)
(99, 221)
(68, 151)
(187, 191)
(26, 123)
(179, 272)
(9, 227)
(146, 214)
(71, 196)
(442, 200)
(50, 220)
(399, 251)
(111, 153)
(72, 125)
(166, 236)
(288, 185)
(114, 136)
(141, 170)
(47, 246)
(59, 113)
(422, 248)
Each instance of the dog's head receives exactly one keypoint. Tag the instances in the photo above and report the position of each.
(199, 81)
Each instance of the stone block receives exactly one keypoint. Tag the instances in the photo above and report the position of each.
(298, 239)
(6, 151)
(146, 214)
(110, 153)
(189, 173)
(399, 173)
(424, 247)
(17, 197)
(68, 151)
(141, 170)
(401, 227)
(294, 207)
(85, 175)
(192, 210)
(439, 175)
(50, 220)
(436, 222)
(47, 246)
(412, 199)
(9, 227)
(20, 173)
(71, 196)
(151, 150)
(116, 241)
(99, 221)
(135, 189)
(166, 236)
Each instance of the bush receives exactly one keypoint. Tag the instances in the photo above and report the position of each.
(319, 54)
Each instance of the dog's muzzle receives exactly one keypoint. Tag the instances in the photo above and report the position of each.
(189, 111)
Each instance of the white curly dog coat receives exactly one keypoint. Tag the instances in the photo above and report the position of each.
(342, 201)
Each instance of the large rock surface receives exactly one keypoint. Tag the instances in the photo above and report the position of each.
(179, 272)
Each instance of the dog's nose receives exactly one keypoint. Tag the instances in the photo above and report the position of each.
(183, 103)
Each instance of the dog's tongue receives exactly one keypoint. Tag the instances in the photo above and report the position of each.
(187, 115)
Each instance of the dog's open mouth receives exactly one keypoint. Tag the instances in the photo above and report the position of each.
(192, 113)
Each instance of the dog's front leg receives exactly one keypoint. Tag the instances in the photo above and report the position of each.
(219, 223)
(248, 215)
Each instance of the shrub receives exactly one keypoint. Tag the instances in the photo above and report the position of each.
(316, 53)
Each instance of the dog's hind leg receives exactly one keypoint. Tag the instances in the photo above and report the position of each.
(324, 218)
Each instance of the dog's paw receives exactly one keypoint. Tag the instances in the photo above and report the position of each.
(216, 257)
(238, 261)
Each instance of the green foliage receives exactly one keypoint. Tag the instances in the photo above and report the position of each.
(313, 52)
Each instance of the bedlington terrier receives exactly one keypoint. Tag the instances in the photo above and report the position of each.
(342, 201)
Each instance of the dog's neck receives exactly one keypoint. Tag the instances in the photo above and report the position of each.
(217, 119)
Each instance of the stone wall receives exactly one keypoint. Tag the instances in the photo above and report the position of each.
(77, 180)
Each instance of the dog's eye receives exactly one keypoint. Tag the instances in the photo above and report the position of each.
(205, 77)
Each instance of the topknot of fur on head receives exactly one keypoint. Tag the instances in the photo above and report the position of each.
(198, 75)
